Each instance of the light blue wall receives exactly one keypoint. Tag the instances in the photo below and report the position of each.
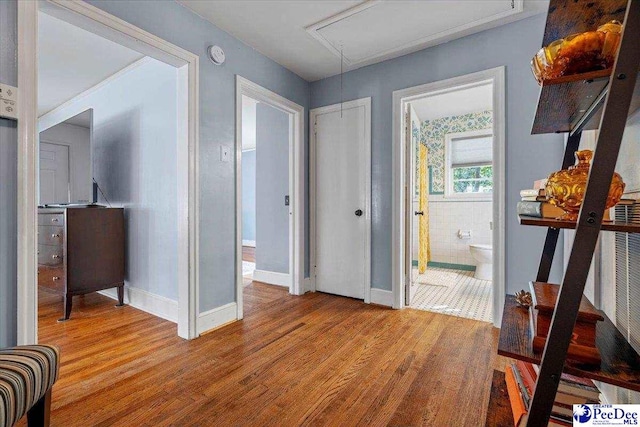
(511, 45)
(176, 24)
(134, 162)
(272, 185)
(249, 195)
(528, 157)
(8, 182)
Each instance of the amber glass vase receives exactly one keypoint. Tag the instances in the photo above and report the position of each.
(566, 188)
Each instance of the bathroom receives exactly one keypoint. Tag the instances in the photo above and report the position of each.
(452, 142)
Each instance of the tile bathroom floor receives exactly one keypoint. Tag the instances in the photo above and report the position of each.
(453, 292)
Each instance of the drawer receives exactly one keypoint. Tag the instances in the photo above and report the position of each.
(50, 255)
(51, 277)
(50, 219)
(50, 235)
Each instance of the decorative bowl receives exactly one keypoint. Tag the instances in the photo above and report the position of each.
(566, 188)
(578, 53)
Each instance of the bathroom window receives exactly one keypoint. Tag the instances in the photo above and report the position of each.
(469, 164)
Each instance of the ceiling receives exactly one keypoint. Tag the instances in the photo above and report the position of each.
(307, 37)
(72, 60)
(83, 119)
(463, 101)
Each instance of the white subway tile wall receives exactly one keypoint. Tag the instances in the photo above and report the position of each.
(445, 219)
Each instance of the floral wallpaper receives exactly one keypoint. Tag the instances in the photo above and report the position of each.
(433, 133)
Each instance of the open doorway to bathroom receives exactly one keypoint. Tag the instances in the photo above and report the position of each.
(450, 139)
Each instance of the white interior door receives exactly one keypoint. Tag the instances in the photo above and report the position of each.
(412, 242)
(342, 189)
(54, 173)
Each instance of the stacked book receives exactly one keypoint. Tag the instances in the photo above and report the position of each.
(534, 202)
(521, 379)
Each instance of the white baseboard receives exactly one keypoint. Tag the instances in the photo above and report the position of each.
(309, 286)
(250, 243)
(217, 317)
(381, 297)
(272, 278)
(157, 305)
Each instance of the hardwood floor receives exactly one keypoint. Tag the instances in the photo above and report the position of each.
(311, 360)
(249, 253)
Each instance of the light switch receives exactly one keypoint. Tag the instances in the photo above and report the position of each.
(8, 101)
(225, 153)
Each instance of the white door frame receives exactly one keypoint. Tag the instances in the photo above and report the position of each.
(296, 182)
(366, 103)
(102, 23)
(402, 178)
(69, 159)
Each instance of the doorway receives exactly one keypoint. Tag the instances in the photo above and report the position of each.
(184, 65)
(451, 135)
(54, 172)
(450, 195)
(269, 197)
(340, 176)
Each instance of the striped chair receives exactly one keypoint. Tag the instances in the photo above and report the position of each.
(27, 374)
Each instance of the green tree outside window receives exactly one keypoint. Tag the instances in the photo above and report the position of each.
(473, 179)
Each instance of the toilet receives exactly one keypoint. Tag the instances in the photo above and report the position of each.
(483, 254)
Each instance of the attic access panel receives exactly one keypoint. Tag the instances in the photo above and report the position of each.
(378, 30)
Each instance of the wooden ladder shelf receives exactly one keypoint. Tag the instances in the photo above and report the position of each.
(596, 100)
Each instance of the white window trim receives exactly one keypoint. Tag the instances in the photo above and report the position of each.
(448, 177)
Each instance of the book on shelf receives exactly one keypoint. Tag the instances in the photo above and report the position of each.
(574, 386)
(534, 199)
(544, 209)
(528, 386)
(519, 400)
(518, 408)
(574, 389)
(520, 378)
(532, 192)
(539, 209)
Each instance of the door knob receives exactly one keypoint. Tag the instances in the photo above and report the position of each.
(358, 212)
(418, 213)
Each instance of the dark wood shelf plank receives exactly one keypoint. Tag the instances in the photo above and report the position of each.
(565, 100)
(578, 78)
(568, 17)
(624, 227)
(499, 409)
(620, 362)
